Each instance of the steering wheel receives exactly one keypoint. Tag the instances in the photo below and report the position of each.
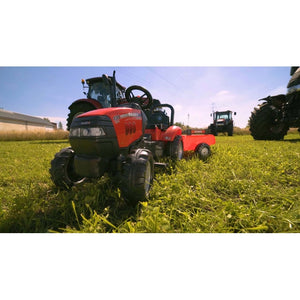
(141, 96)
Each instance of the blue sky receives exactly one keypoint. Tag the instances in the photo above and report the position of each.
(193, 91)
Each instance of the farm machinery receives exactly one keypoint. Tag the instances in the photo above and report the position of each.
(125, 139)
(273, 118)
(102, 92)
(222, 122)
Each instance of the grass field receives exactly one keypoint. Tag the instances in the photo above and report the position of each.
(246, 186)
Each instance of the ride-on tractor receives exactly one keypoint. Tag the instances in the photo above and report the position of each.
(222, 122)
(273, 118)
(124, 140)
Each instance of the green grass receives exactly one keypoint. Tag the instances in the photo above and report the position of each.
(246, 186)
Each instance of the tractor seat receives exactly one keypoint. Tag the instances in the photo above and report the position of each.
(157, 119)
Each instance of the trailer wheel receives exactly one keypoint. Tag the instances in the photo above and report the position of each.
(137, 176)
(78, 109)
(62, 172)
(176, 148)
(203, 151)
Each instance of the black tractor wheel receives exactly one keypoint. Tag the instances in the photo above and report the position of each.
(78, 109)
(137, 176)
(212, 129)
(176, 148)
(62, 171)
(203, 151)
(230, 130)
(265, 125)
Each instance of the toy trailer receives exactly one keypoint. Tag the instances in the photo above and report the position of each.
(199, 144)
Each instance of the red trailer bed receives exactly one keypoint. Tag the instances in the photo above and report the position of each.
(190, 142)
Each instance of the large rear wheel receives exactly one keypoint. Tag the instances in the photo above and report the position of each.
(78, 109)
(265, 123)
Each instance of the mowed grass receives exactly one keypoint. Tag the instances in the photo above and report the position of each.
(245, 186)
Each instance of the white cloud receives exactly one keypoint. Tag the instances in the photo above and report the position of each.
(222, 93)
(223, 100)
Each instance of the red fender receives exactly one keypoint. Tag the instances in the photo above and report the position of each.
(166, 136)
(170, 134)
(95, 103)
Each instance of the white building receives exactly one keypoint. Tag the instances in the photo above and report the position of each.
(11, 121)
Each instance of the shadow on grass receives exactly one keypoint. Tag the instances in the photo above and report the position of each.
(50, 142)
(45, 210)
(292, 140)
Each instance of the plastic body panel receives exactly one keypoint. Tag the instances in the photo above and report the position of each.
(166, 136)
(127, 122)
(190, 142)
(95, 103)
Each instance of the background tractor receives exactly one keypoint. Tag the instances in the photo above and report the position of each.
(124, 139)
(222, 122)
(102, 92)
(273, 118)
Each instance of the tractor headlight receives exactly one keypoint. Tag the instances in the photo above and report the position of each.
(87, 132)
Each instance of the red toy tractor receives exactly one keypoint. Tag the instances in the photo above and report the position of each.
(124, 140)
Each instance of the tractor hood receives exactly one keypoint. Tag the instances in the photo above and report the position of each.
(129, 123)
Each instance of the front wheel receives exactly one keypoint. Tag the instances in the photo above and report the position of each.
(62, 170)
(176, 148)
(137, 176)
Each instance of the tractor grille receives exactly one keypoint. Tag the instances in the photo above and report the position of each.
(94, 136)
